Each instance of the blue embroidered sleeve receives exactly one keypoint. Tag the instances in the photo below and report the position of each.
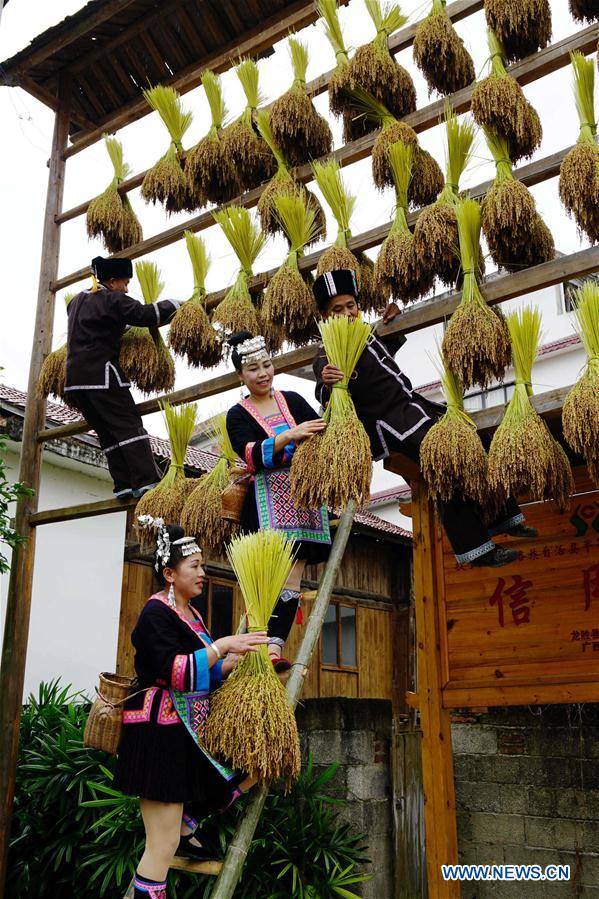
(268, 448)
(202, 673)
(216, 675)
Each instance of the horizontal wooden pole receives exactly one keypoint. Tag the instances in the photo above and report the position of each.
(421, 315)
(545, 694)
(85, 510)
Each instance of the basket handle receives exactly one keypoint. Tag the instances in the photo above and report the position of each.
(113, 705)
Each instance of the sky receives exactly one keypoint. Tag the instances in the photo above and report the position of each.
(25, 146)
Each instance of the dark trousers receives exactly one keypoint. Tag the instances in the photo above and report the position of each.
(113, 416)
(283, 616)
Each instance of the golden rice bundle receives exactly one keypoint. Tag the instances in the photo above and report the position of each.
(476, 344)
(499, 104)
(560, 480)
(579, 172)
(522, 455)
(251, 722)
(201, 515)
(373, 69)
(452, 456)
(110, 216)
(288, 301)
(236, 312)
(584, 10)
(440, 53)
(522, 26)
(299, 131)
(515, 233)
(340, 81)
(167, 499)
(166, 182)
(320, 473)
(249, 155)
(399, 270)
(580, 415)
(144, 356)
(53, 374)
(208, 165)
(372, 299)
(191, 335)
(283, 184)
(436, 242)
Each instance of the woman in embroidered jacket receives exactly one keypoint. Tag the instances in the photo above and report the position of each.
(264, 429)
(161, 756)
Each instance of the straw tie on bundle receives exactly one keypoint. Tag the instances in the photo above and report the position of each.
(208, 165)
(191, 335)
(522, 26)
(340, 81)
(166, 182)
(283, 184)
(144, 356)
(584, 10)
(524, 458)
(201, 515)
(289, 302)
(249, 155)
(452, 456)
(53, 373)
(251, 722)
(339, 256)
(516, 234)
(579, 172)
(499, 104)
(299, 131)
(236, 311)
(110, 216)
(399, 269)
(436, 242)
(167, 499)
(580, 414)
(440, 53)
(335, 465)
(476, 344)
(373, 68)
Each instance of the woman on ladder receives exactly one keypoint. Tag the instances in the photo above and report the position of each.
(264, 429)
(161, 758)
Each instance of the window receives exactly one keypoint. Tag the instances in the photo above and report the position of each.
(215, 605)
(338, 645)
(568, 287)
(484, 399)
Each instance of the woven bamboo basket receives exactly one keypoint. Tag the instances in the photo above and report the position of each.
(105, 721)
(233, 496)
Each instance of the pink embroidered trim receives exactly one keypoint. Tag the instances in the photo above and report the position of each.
(178, 672)
(283, 408)
(204, 637)
(138, 716)
(166, 710)
(249, 447)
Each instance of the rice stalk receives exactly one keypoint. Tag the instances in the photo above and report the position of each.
(111, 216)
(580, 413)
(166, 182)
(584, 10)
(249, 155)
(236, 312)
(340, 81)
(191, 335)
(522, 26)
(342, 204)
(440, 53)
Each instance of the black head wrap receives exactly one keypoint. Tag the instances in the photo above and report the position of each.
(105, 269)
(333, 284)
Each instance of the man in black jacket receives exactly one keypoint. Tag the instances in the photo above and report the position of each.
(396, 418)
(97, 319)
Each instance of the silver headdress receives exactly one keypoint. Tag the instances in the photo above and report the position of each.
(253, 349)
(188, 546)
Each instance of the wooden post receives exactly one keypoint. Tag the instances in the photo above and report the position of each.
(237, 850)
(437, 759)
(18, 604)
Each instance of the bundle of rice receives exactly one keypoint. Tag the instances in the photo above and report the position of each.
(584, 10)
(167, 499)
(452, 455)
(522, 26)
(250, 721)
(340, 81)
(201, 514)
(298, 130)
(144, 356)
(320, 473)
(110, 216)
(208, 165)
(53, 374)
(436, 241)
(523, 458)
(580, 415)
(236, 311)
(376, 71)
(579, 172)
(289, 302)
(440, 53)
(516, 235)
(283, 184)
(476, 344)
(166, 182)
(399, 269)
(191, 335)
(499, 104)
(249, 155)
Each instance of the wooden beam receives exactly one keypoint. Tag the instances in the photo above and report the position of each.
(84, 510)
(18, 602)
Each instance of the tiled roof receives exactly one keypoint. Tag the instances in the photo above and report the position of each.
(56, 412)
(370, 520)
(383, 496)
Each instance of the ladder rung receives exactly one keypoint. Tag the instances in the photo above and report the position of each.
(187, 864)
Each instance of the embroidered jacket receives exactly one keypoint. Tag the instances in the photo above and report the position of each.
(97, 321)
(385, 401)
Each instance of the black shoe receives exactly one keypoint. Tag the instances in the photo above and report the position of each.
(186, 849)
(495, 558)
(522, 530)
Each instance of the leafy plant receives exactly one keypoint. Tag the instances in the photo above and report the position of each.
(9, 493)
